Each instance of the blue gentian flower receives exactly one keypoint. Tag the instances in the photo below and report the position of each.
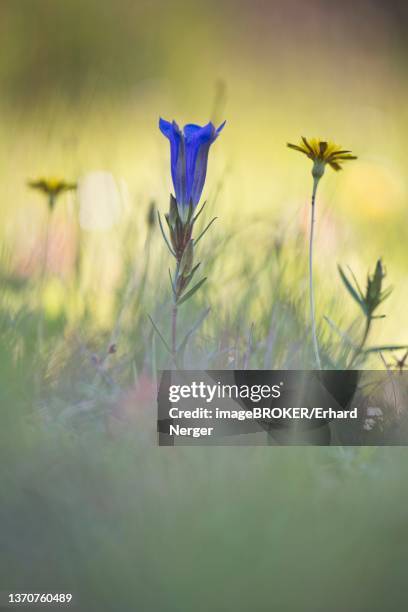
(189, 156)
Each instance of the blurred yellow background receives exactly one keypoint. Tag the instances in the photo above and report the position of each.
(84, 83)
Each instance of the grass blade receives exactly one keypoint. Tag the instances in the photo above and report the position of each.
(351, 289)
(199, 212)
(379, 349)
(356, 283)
(205, 230)
(158, 332)
(172, 284)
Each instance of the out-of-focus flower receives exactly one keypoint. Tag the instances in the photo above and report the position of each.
(52, 187)
(322, 152)
(101, 201)
(189, 157)
(62, 245)
(151, 215)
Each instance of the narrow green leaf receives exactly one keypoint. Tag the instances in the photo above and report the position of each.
(158, 332)
(187, 259)
(356, 283)
(164, 235)
(172, 284)
(194, 270)
(379, 349)
(189, 278)
(199, 212)
(190, 212)
(205, 230)
(167, 221)
(192, 291)
(351, 290)
(386, 293)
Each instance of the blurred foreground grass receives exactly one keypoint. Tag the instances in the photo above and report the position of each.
(91, 505)
(124, 525)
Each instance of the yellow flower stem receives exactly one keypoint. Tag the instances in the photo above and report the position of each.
(46, 246)
(311, 292)
(363, 341)
(40, 329)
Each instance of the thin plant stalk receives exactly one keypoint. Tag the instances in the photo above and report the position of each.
(79, 256)
(40, 328)
(46, 246)
(360, 347)
(174, 314)
(365, 336)
(131, 287)
(311, 291)
(174, 329)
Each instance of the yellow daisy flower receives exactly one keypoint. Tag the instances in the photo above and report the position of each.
(52, 187)
(322, 152)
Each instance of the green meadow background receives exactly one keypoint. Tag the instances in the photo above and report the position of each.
(89, 504)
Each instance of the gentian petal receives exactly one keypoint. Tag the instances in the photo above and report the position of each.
(191, 129)
(165, 127)
(201, 166)
(177, 157)
(198, 141)
(200, 173)
(178, 167)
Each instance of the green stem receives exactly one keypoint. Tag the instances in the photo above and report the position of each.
(311, 292)
(40, 328)
(174, 313)
(46, 247)
(363, 340)
(174, 330)
(130, 288)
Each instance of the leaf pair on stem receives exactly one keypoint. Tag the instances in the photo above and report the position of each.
(369, 301)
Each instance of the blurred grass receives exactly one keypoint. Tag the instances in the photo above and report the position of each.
(90, 504)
